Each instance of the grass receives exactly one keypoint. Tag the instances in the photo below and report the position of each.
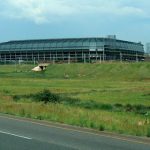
(105, 93)
(48, 97)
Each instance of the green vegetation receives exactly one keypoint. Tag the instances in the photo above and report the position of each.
(110, 96)
(48, 97)
(148, 132)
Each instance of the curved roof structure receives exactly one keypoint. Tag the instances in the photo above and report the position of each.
(70, 43)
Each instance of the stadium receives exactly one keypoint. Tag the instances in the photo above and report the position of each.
(71, 50)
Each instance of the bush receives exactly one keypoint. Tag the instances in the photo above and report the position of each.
(16, 97)
(129, 108)
(141, 109)
(92, 125)
(148, 132)
(43, 96)
(106, 107)
(46, 96)
(118, 107)
(101, 128)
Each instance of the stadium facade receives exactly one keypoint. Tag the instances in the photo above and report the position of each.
(71, 50)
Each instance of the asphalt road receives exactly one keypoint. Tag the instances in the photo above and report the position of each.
(22, 134)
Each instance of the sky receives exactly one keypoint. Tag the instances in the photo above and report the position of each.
(41, 19)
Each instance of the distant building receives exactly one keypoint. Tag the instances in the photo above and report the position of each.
(71, 50)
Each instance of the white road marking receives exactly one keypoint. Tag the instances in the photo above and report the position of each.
(16, 135)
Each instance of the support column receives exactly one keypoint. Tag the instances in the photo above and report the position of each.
(84, 58)
(53, 59)
(120, 57)
(50, 56)
(34, 60)
(103, 54)
(15, 56)
(76, 57)
(26, 56)
(5, 59)
(69, 58)
(63, 56)
(96, 56)
(89, 57)
(100, 59)
(10, 56)
(137, 57)
(38, 56)
(56, 55)
(44, 56)
(32, 56)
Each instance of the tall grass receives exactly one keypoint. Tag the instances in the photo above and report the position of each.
(101, 120)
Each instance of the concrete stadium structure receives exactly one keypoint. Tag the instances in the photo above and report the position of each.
(71, 50)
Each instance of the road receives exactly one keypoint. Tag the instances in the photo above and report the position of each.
(23, 134)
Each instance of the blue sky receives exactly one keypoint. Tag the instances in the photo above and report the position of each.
(34, 19)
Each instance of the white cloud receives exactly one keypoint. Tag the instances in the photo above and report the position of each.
(42, 11)
(39, 11)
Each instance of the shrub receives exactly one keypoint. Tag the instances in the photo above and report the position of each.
(6, 91)
(148, 132)
(101, 127)
(118, 107)
(106, 107)
(141, 109)
(16, 97)
(39, 117)
(46, 96)
(129, 108)
(92, 125)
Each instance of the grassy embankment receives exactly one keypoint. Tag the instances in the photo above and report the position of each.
(118, 90)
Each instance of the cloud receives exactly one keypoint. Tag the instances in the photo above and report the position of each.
(45, 11)
(39, 11)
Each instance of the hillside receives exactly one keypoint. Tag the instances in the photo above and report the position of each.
(107, 71)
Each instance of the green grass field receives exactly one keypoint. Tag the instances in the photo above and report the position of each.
(108, 83)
